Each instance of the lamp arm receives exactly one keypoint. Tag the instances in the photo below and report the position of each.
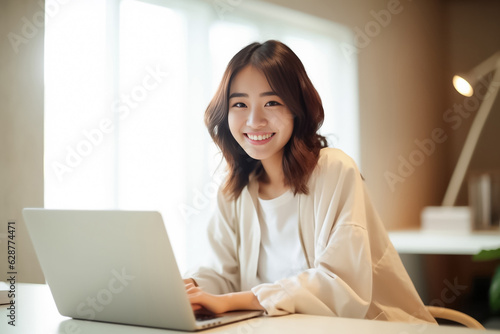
(490, 64)
(470, 142)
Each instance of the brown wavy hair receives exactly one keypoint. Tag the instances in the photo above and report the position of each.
(287, 77)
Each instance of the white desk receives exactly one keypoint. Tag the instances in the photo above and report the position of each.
(426, 242)
(413, 245)
(36, 313)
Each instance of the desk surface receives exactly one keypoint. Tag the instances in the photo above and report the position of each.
(427, 242)
(37, 313)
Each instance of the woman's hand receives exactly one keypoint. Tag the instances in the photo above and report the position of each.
(220, 303)
(198, 298)
(189, 280)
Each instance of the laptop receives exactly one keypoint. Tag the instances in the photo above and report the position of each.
(115, 266)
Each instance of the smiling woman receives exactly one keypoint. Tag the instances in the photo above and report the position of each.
(294, 230)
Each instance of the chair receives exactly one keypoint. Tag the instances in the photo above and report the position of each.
(453, 315)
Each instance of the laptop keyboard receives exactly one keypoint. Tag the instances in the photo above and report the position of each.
(204, 314)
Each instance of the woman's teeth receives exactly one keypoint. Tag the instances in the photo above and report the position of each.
(259, 137)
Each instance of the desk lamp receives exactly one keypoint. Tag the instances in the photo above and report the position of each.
(464, 84)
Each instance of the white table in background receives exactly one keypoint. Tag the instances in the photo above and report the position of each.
(429, 242)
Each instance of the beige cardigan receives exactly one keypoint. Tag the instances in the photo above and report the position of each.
(354, 270)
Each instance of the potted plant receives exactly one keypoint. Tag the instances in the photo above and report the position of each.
(494, 292)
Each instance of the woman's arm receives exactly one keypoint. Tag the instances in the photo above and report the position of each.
(222, 303)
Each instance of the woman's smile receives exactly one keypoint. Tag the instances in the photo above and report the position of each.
(259, 138)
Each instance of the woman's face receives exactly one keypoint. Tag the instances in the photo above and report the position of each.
(258, 119)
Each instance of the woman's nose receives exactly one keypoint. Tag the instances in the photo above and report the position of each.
(256, 118)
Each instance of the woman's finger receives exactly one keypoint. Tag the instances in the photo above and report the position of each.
(196, 307)
(193, 290)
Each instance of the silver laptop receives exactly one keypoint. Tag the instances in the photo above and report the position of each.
(115, 266)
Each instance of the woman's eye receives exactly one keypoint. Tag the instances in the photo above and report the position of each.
(239, 105)
(272, 104)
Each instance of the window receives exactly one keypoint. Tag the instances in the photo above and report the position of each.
(126, 92)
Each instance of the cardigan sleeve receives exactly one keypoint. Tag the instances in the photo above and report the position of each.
(339, 282)
(338, 285)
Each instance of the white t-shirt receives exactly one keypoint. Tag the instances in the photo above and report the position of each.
(281, 254)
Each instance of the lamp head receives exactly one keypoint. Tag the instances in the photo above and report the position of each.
(464, 83)
(462, 86)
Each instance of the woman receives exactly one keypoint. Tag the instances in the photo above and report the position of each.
(295, 231)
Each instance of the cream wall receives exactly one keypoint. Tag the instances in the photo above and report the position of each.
(21, 130)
